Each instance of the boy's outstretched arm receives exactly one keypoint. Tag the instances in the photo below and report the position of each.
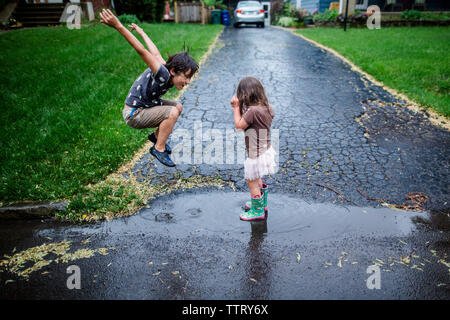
(150, 45)
(108, 18)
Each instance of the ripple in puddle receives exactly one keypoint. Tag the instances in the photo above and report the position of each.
(290, 217)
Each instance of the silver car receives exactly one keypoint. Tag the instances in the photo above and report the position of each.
(249, 12)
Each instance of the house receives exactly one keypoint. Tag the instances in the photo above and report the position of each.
(385, 5)
(30, 13)
(97, 4)
(313, 5)
(401, 5)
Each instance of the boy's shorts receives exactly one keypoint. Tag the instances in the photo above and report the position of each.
(146, 117)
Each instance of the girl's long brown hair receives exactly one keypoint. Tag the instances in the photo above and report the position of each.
(250, 92)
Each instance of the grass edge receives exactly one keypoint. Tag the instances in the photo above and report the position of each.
(434, 117)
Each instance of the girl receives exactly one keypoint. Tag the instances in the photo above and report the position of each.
(144, 107)
(253, 114)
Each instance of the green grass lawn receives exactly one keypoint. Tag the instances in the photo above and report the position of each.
(415, 61)
(62, 93)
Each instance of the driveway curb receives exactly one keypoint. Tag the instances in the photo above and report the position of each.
(32, 210)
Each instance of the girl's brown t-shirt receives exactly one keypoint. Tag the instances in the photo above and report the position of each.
(257, 134)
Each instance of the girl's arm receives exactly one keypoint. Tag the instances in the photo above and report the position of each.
(149, 43)
(111, 20)
(239, 121)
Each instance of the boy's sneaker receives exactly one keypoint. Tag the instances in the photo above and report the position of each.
(162, 157)
(153, 139)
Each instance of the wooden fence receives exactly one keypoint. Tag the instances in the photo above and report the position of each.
(191, 12)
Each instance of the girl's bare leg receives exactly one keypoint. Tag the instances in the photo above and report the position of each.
(254, 186)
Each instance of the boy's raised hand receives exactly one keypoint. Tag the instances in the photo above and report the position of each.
(109, 19)
(135, 27)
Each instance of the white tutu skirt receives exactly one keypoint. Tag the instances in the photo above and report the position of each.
(258, 167)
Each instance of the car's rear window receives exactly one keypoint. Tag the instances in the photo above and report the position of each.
(249, 4)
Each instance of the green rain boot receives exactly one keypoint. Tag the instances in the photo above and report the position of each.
(256, 211)
(264, 192)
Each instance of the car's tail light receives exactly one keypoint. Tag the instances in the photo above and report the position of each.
(261, 11)
(238, 11)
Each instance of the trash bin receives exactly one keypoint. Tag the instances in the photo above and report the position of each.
(215, 16)
(225, 17)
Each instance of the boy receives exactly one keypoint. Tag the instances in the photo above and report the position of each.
(144, 107)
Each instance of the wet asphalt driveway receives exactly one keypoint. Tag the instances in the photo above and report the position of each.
(338, 134)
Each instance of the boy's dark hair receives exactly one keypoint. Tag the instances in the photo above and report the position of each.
(250, 92)
(182, 62)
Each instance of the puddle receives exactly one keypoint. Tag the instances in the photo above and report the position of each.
(217, 213)
(197, 235)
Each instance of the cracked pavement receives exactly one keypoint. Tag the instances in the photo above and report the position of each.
(335, 130)
(335, 127)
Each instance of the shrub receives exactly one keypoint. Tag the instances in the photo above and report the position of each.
(418, 15)
(299, 24)
(328, 15)
(276, 10)
(298, 15)
(286, 22)
(357, 19)
(280, 9)
(144, 10)
(218, 4)
(411, 15)
(435, 16)
(289, 10)
(128, 19)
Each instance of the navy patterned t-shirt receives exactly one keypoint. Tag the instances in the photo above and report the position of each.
(148, 88)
